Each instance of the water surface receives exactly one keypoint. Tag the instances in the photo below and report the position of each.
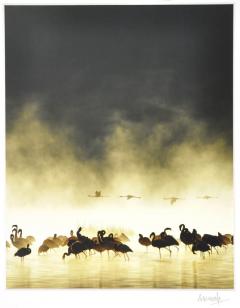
(143, 270)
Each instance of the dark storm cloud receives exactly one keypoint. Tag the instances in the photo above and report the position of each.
(147, 64)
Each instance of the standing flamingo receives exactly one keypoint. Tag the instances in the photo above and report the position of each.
(169, 239)
(18, 242)
(124, 249)
(22, 252)
(161, 243)
(145, 241)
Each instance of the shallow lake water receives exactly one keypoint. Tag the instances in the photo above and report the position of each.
(143, 270)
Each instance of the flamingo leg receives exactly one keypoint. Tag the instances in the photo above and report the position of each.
(216, 249)
(170, 252)
(160, 254)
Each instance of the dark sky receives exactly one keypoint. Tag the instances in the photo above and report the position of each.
(148, 63)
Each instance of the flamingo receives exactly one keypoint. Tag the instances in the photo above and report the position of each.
(98, 194)
(173, 199)
(200, 245)
(159, 243)
(98, 245)
(186, 236)
(72, 238)
(76, 248)
(43, 248)
(89, 244)
(110, 237)
(206, 197)
(30, 239)
(130, 197)
(107, 242)
(145, 241)
(22, 252)
(124, 249)
(169, 239)
(55, 239)
(63, 240)
(213, 241)
(50, 243)
(18, 242)
(227, 239)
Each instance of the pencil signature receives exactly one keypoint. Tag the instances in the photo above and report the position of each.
(215, 299)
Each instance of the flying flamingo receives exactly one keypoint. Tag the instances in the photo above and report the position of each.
(130, 197)
(173, 199)
(206, 197)
(98, 194)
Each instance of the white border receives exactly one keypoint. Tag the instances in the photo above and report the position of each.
(113, 297)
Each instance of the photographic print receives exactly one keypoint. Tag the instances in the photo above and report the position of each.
(119, 146)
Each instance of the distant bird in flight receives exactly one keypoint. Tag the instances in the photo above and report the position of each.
(98, 194)
(130, 197)
(206, 197)
(172, 199)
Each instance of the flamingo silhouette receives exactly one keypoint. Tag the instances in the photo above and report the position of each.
(98, 194)
(71, 239)
(169, 239)
(22, 252)
(201, 246)
(160, 243)
(124, 249)
(173, 199)
(130, 197)
(76, 248)
(213, 240)
(206, 197)
(145, 241)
